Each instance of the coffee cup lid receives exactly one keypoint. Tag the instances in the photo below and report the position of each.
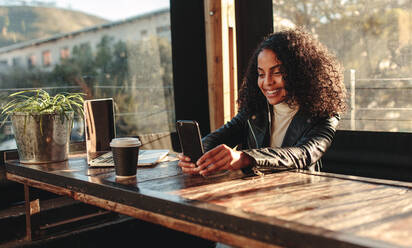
(125, 142)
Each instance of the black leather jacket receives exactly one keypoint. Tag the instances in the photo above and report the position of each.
(306, 140)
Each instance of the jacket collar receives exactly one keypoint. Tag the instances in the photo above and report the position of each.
(300, 123)
(262, 123)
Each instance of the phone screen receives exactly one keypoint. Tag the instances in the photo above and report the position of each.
(190, 139)
(99, 126)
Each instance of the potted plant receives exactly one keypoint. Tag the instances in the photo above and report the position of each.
(42, 124)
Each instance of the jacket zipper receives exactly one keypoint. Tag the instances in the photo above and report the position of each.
(253, 133)
(270, 123)
(270, 127)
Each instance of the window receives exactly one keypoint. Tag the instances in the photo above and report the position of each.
(64, 53)
(373, 41)
(17, 62)
(163, 29)
(94, 53)
(31, 61)
(46, 56)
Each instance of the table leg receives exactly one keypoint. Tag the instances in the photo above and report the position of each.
(31, 208)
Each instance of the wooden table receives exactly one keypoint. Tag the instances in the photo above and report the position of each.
(289, 208)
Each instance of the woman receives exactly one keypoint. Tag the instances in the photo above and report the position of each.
(289, 106)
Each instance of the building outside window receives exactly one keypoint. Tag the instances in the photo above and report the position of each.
(64, 53)
(17, 62)
(46, 58)
(98, 57)
(31, 61)
(162, 29)
(373, 41)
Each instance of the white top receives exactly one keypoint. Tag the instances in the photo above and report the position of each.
(125, 142)
(282, 117)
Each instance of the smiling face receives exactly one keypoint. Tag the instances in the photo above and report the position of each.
(270, 77)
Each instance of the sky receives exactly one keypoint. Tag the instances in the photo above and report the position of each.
(113, 9)
(110, 9)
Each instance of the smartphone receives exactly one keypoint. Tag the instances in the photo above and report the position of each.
(190, 139)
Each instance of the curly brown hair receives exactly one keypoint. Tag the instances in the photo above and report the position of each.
(313, 77)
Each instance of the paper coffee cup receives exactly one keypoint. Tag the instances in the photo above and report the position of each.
(125, 155)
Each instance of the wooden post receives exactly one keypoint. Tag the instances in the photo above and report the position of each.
(221, 60)
(232, 59)
(352, 99)
(233, 73)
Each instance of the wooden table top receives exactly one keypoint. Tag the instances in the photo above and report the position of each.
(289, 208)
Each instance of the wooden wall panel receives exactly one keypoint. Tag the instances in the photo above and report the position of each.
(221, 60)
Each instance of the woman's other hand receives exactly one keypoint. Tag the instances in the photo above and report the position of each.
(219, 158)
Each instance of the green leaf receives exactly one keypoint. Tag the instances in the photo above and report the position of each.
(38, 101)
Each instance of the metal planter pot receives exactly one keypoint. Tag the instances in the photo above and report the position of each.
(42, 138)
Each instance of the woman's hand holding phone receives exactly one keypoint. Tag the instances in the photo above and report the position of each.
(220, 158)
